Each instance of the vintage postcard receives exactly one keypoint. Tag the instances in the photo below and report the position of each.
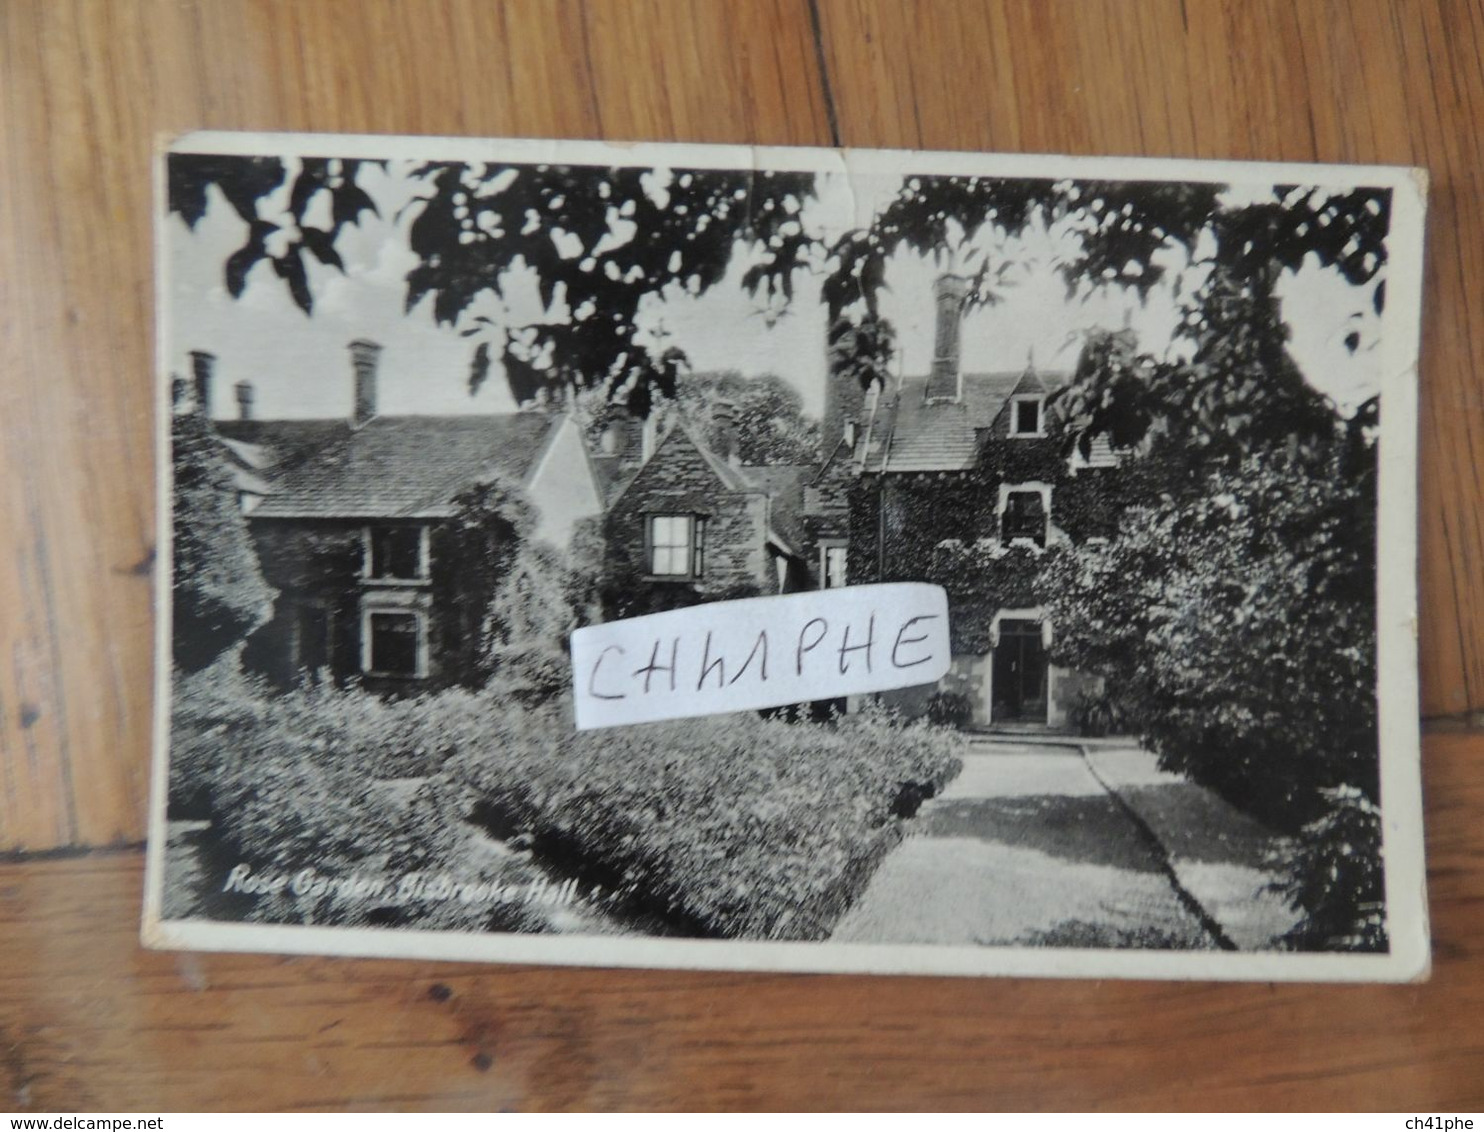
(787, 559)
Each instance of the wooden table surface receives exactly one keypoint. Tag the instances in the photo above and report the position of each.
(89, 1021)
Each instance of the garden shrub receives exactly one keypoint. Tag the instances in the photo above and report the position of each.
(209, 709)
(339, 781)
(1338, 880)
(950, 709)
(534, 610)
(726, 826)
(218, 592)
(1238, 627)
(1096, 712)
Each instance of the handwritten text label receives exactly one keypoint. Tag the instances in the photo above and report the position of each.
(760, 652)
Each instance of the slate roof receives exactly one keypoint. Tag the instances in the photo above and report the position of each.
(730, 476)
(391, 467)
(784, 484)
(278, 445)
(613, 475)
(918, 436)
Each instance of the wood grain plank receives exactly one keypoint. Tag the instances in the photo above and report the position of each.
(737, 73)
(85, 90)
(89, 1021)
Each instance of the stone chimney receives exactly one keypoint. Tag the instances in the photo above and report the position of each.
(623, 440)
(724, 430)
(611, 443)
(364, 356)
(844, 404)
(202, 366)
(244, 392)
(945, 381)
(649, 436)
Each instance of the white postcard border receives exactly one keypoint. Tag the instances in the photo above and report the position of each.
(1398, 700)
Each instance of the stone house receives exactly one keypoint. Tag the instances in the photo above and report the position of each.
(351, 521)
(689, 523)
(952, 477)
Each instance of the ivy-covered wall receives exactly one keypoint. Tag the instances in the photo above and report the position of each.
(219, 593)
(943, 527)
(316, 566)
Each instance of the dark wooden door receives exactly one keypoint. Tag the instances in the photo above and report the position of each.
(1019, 673)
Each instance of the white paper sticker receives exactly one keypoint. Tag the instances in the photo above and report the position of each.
(760, 652)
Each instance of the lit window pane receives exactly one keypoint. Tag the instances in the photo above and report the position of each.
(670, 545)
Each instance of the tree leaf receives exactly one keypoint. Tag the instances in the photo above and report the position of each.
(290, 268)
(479, 367)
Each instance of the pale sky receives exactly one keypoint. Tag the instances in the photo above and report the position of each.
(300, 367)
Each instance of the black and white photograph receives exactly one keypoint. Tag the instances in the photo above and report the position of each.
(429, 407)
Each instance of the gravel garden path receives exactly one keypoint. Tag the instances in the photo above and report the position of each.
(1028, 847)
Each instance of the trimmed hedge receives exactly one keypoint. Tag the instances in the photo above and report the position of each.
(726, 826)
(729, 826)
(337, 781)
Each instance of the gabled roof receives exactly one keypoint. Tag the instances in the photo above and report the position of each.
(394, 467)
(916, 435)
(1030, 382)
(783, 484)
(729, 475)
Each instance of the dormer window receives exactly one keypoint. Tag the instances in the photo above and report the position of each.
(1026, 415)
